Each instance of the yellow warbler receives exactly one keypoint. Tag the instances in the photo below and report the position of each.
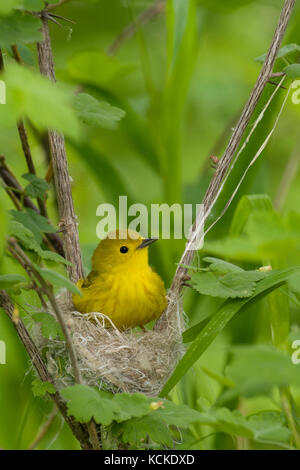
(121, 284)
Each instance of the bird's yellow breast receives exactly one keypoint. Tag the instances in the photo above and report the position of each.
(128, 298)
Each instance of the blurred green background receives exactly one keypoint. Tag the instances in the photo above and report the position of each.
(180, 108)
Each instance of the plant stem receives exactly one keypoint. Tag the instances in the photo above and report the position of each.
(68, 222)
(44, 429)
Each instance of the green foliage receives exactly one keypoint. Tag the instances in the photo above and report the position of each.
(204, 337)
(94, 112)
(50, 328)
(37, 186)
(134, 416)
(292, 70)
(34, 222)
(257, 369)
(12, 281)
(57, 279)
(264, 426)
(29, 241)
(39, 388)
(284, 51)
(235, 284)
(44, 103)
(19, 29)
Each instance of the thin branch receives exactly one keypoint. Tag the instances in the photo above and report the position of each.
(16, 193)
(131, 29)
(24, 140)
(15, 248)
(68, 222)
(217, 181)
(78, 429)
(44, 429)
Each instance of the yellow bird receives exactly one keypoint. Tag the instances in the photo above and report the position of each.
(121, 284)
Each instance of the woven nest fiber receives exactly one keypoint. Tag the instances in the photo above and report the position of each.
(129, 361)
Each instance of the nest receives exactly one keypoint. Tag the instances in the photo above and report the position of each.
(129, 361)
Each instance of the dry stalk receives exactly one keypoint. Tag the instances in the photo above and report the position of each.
(68, 221)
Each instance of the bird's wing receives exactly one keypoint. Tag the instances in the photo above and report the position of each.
(89, 281)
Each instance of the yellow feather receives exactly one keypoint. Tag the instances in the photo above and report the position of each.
(121, 284)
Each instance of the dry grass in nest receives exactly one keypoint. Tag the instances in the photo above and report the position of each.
(129, 361)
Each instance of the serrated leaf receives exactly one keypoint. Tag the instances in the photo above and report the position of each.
(177, 415)
(232, 285)
(292, 70)
(85, 403)
(33, 221)
(18, 28)
(57, 279)
(40, 388)
(94, 112)
(11, 281)
(137, 430)
(28, 241)
(130, 406)
(221, 266)
(37, 187)
(50, 327)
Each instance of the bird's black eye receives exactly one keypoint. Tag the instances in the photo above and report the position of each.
(123, 249)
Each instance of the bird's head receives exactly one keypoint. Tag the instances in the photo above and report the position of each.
(122, 249)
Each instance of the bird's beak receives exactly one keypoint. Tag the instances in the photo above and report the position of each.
(146, 242)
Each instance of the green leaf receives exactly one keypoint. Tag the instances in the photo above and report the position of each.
(267, 425)
(177, 415)
(37, 187)
(50, 328)
(52, 256)
(85, 403)
(34, 5)
(130, 406)
(221, 266)
(40, 388)
(283, 52)
(19, 28)
(46, 104)
(137, 430)
(57, 279)
(24, 235)
(11, 281)
(94, 112)
(28, 240)
(218, 322)
(292, 70)
(257, 369)
(34, 222)
(231, 285)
